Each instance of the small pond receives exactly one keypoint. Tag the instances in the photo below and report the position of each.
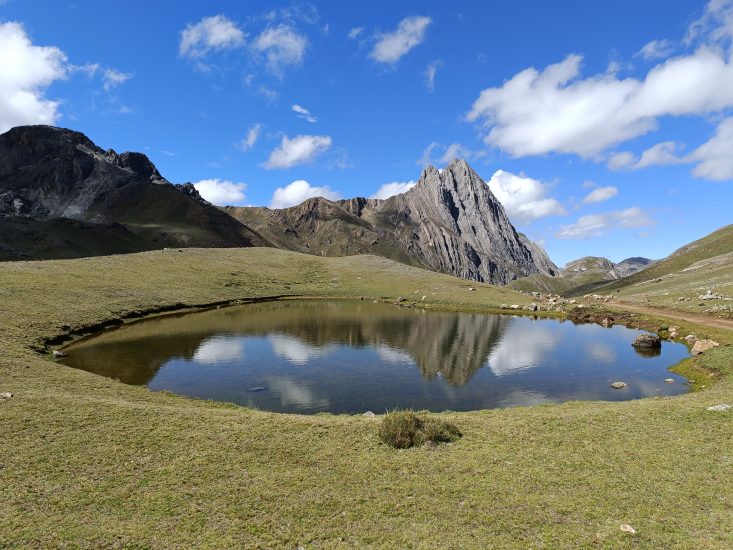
(350, 357)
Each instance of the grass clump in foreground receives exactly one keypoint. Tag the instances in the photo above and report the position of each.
(405, 429)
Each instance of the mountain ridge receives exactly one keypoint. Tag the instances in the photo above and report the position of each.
(51, 175)
(450, 222)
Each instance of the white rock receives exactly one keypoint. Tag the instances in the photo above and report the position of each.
(720, 408)
(626, 528)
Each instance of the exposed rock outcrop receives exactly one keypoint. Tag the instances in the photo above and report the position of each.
(62, 196)
(449, 222)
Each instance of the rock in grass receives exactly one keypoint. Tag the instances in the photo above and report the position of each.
(619, 385)
(369, 414)
(720, 408)
(405, 429)
(626, 528)
(58, 354)
(647, 341)
(5, 395)
(701, 346)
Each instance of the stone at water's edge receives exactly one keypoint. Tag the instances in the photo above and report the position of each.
(619, 385)
(647, 341)
(702, 346)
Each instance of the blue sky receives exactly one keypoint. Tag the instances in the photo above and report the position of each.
(603, 127)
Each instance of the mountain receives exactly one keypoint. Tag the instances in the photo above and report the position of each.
(450, 222)
(61, 196)
(582, 275)
(715, 248)
(630, 266)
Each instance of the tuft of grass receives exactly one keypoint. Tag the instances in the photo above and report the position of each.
(405, 429)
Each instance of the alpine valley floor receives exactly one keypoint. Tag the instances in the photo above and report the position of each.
(87, 462)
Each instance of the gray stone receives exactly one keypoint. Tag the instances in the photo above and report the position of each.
(647, 341)
(619, 385)
(58, 354)
(5, 395)
(369, 414)
(720, 408)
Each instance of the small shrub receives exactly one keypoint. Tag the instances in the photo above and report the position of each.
(404, 429)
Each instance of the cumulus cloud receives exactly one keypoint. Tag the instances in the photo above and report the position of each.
(26, 71)
(656, 49)
(715, 157)
(297, 192)
(282, 46)
(410, 32)
(305, 114)
(430, 73)
(251, 138)
(524, 199)
(211, 33)
(390, 189)
(113, 78)
(600, 195)
(221, 192)
(661, 154)
(299, 150)
(553, 110)
(596, 225)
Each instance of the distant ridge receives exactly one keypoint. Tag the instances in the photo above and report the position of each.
(450, 222)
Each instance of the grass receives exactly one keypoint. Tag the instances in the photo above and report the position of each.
(88, 462)
(405, 429)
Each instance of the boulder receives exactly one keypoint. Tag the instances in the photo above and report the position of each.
(5, 395)
(720, 408)
(647, 341)
(701, 346)
(619, 385)
(58, 354)
(369, 414)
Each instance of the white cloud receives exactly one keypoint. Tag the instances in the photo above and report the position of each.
(430, 73)
(596, 225)
(390, 189)
(457, 151)
(355, 33)
(299, 150)
(221, 192)
(524, 199)
(113, 78)
(390, 47)
(715, 24)
(427, 154)
(656, 49)
(211, 33)
(538, 112)
(297, 192)
(305, 114)
(249, 141)
(25, 73)
(661, 154)
(716, 156)
(600, 195)
(282, 46)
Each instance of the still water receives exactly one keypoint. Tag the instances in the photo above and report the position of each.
(350, 357)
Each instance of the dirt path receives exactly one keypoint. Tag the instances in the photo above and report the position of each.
(681, 315)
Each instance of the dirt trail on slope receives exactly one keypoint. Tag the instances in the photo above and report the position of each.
(682, 316)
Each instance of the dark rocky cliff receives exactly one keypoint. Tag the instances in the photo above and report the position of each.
(48, 175)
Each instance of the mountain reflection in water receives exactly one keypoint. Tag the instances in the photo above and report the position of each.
(344, 356)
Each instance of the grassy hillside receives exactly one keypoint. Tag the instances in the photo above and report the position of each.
(715, 244)
(677, 281)
(89, 462)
